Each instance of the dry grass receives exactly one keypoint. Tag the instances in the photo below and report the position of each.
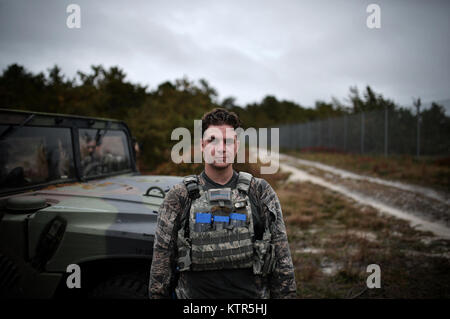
(333, 240)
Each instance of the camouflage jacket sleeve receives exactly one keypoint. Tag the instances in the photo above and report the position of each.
(282, 281)
(162, 272)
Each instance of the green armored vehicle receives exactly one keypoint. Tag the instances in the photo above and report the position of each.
(76, 217)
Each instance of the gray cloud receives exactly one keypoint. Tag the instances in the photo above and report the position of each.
(247, 49)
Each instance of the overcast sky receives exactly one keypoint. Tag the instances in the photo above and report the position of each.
(296, 50)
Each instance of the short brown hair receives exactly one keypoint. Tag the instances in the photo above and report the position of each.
(220, 116)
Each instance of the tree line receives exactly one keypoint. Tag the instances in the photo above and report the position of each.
(152, 113)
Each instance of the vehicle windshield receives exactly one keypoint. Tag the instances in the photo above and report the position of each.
(35, 155)
(103, 152)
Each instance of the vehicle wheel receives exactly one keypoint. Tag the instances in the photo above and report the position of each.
(127, 286)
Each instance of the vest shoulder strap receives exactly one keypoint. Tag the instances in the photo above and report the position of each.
(244, 181)
(191, 183)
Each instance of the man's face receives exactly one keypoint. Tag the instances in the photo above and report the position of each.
(220, 145)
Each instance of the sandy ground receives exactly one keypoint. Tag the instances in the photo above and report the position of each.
(426, 209)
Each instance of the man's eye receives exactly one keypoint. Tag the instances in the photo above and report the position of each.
(212, 140)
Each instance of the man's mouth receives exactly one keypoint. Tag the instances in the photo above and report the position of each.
(221, 158)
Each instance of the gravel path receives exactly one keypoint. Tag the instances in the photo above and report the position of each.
(426, 209)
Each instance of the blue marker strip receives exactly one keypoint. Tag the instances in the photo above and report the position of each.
(237, 216)
(222, 219)
(204, 218)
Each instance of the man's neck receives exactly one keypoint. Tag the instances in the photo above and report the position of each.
(220, 176)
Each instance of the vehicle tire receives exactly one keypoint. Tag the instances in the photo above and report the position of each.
(125, 286)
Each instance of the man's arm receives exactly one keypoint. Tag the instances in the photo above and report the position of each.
(162, 273)
(282, 280)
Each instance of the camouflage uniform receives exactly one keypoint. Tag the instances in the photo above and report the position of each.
(163, 275)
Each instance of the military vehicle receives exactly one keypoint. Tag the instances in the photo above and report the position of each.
(76, 217)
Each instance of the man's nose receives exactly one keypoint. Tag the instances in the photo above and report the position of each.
(222, 147)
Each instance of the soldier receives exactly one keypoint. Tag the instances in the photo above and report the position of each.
(221, 234)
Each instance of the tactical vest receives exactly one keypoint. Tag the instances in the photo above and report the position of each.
(218, 233)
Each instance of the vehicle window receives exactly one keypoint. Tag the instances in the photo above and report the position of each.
(103, 153)
(34, 155)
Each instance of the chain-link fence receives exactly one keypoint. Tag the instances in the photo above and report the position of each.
(376, 132)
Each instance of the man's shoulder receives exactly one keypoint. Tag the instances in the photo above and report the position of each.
(260, 187)
(265, 195)
(178, 191)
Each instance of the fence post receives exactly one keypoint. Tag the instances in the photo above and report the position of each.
(308, 134)
(385, 131)
(362, 132)
(345, 132)
(417, 103)
(329, 134)
(293, 137)
(320, 133)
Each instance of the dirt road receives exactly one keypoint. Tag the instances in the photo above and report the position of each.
(424, 208)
